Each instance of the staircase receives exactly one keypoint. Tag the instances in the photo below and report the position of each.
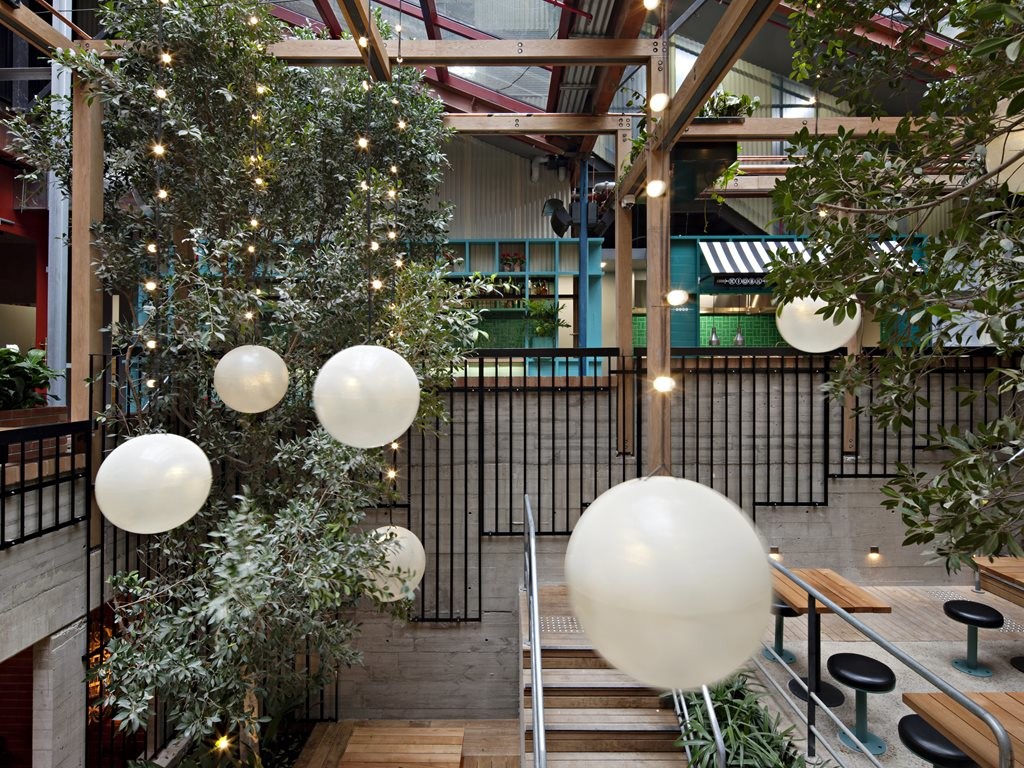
(595, 716)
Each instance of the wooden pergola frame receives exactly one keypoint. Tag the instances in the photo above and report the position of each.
(736, 29)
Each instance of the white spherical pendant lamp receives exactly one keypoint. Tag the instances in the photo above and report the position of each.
(153, 483)
(669, 581)
(1001, 149)
(251, 379)
(366, 396)
(405, 563)
(803, 328)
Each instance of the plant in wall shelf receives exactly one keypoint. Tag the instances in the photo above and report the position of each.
(725, 104)
(22, 376)
(543, 319)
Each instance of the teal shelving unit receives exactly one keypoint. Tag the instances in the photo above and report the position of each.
(536, 268)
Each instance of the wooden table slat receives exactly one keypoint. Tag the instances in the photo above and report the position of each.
(969, 732)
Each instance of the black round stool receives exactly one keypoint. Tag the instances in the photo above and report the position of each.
(782, 612)
(865, 675)
(974, 615)
(928, 744)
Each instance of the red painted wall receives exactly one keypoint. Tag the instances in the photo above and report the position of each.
(32, 225)
(16, 711)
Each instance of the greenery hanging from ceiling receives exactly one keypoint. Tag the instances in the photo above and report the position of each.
(240, 208)
(944, 172)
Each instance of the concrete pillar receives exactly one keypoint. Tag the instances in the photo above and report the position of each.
(58, 699)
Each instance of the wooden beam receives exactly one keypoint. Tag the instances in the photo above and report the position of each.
(361, 25)
(86, 299)
(626, 380)
(736, 29)
(25, 23)
(508, 123)
(481, 53)
(659, 344)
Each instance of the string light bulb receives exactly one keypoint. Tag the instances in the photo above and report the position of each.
(165, 57)
(401, 125)
(394, 169)
(374, 246)
(259, 181)
(151, 383)
(651, 5)
(161, 194)
(664, 384)
(363, 185)
(222, 743)
(150, 285)
(254, 222)
(366, 85)
(261, 89)
(253, 20)
(255, 117)
(398, 28)
(159, 150)
(377, 284)
(658, 102)
(399, 263)
(394, 99)
(151, 247)
(249, 315)
(363, 142)
(161, 93)
(392, 235)
(656, 188)
(251, 249)
(394, 446)
(363, 42)
(151, 344)
(392, 473)
(392, 193)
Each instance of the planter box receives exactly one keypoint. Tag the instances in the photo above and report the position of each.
(33, 417)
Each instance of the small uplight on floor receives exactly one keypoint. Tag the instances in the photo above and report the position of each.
(874, 555)
(774, 554)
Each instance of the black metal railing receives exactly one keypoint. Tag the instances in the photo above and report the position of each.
(44, 480)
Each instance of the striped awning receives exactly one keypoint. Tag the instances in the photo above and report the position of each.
(753, 257)
(746, 257)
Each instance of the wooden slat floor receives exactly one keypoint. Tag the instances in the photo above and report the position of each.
(413, 744)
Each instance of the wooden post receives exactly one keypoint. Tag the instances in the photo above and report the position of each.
(626, 380)
(659, 358)
(86, 210)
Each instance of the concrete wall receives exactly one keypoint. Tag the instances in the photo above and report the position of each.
(58, 728)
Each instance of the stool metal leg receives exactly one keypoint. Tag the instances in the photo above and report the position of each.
(871, 742)
(970, 665)
(786, 656)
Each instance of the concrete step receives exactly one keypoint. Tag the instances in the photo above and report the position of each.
(592, 688)
(567, 658)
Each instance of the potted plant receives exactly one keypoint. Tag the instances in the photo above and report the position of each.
(543, 321)
(725, 105)
(23, 381)
(752, 734)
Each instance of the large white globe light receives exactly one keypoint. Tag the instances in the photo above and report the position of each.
(405, 563)
(801, 326)
(152, 483)
(251, 379)
(366, 396)
(669, 581)
(1001, 149)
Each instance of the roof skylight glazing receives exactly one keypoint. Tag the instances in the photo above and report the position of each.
(509, 19)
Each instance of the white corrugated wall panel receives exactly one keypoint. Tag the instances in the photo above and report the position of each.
(493, 194)
(757, 210)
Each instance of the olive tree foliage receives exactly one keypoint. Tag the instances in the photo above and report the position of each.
(848, 190)
(263, 237)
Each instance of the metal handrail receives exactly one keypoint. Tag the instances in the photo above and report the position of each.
(540, 757)
(1002, 738)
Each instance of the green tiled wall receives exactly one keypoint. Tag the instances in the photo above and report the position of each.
(758, 330)
(503, 332)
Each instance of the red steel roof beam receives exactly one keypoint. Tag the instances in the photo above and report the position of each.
(429, 10)
(330, 17)
(296, 19)
(557, 73)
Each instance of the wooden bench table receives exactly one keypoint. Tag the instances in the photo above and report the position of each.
(842, 592)
(1002, 576)
(970, 733)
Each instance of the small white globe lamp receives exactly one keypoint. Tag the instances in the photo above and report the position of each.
(251, 379)
(803, 328)
(366, 396)
(1001, 149)
(669, 581)
(405, 562)
(153, 483)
